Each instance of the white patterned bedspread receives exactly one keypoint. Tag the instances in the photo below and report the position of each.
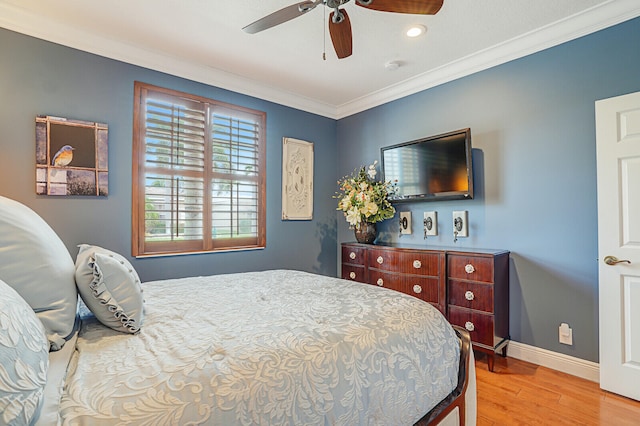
(265, 348)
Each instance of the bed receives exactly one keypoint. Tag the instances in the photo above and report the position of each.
(254, 348)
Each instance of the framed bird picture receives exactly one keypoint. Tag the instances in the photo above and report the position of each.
(71, 157)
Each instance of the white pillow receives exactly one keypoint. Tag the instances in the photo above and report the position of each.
(24, 359)
(36, 264)
(110, 288)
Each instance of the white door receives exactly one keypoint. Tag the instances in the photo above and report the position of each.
(618, 157)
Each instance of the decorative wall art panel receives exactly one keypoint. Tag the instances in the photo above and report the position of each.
(71, 157)
(297, 179)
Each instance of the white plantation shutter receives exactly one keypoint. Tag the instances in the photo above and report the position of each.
(236, 176)
(174, 165)
(199, 179)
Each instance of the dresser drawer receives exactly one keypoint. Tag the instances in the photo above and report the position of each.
(386, 260)
(472, 295)
(354, 255)
(354, 273)
(425, 288)
(386, 280)
(480, 325)
(473, 268)
(406, 261)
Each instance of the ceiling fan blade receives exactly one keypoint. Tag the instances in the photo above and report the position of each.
(417, 7)
(283, 15)
(340, 31)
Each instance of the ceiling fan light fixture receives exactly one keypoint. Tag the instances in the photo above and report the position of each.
(416, 31)
(340, 24)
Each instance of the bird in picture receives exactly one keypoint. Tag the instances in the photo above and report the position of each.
(63, 157)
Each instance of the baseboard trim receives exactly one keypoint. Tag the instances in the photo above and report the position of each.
(556, 361)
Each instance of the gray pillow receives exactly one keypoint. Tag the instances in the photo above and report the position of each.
(110, 287)
(36, 264)
(24, 359)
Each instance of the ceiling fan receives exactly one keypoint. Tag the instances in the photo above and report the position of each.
(339, 23)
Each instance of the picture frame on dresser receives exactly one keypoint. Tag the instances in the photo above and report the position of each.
(471, 288)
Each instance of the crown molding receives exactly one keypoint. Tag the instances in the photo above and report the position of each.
(594, 19)
(15, 19)
(586, 22)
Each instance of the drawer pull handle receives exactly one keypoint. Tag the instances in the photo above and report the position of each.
(352, 255)
(417, 264)
(469, 269)
(417, 289)
(380, 282)
(469, 295)
(352, 275)
(469, 326)
(380, 260)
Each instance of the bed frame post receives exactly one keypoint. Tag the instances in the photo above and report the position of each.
(457, 397)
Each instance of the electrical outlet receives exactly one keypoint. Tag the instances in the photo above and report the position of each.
(565, 334)
(430, 224)
(460, 224)
(405, 223)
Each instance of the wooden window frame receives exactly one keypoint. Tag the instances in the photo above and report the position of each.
(207, 243)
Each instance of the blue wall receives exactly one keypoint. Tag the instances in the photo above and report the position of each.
(42, 78)
(533, 133)
(533, 130)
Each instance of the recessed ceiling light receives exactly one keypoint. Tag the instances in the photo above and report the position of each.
(392, 65)
(416, 31)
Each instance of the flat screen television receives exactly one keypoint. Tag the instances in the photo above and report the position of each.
(430, 169)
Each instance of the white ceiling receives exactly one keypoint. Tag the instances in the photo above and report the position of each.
(203, 40)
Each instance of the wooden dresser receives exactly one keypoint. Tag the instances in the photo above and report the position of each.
(471, 288)
(420, 273)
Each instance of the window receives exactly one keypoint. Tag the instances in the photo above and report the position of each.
(199, 176)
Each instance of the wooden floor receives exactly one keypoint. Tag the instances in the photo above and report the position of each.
(520, 393)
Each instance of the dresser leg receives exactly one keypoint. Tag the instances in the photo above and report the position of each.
(490, 361)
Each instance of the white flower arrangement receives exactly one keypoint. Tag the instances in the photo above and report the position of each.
(363, 199)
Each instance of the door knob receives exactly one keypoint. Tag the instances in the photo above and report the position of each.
(612, 260)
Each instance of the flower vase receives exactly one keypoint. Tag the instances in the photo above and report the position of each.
(366, 232)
